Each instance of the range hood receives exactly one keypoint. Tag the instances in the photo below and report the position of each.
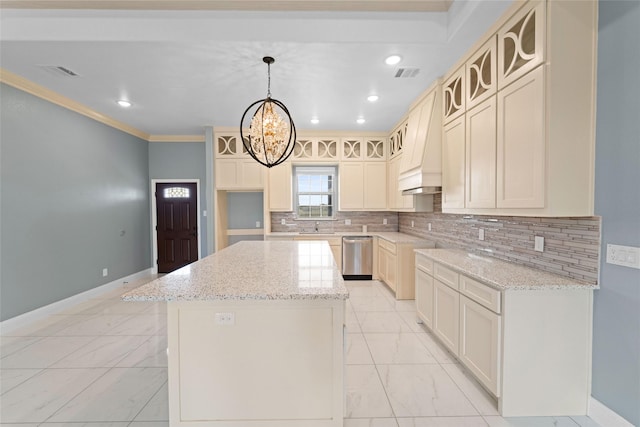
(421, 163)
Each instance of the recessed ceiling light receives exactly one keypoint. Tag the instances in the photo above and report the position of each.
(124, 103)
(372, 98)
(315, 120)
(393, 59)
(360, 120)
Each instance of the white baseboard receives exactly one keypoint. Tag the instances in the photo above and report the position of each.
(603, 415)
(56, 307)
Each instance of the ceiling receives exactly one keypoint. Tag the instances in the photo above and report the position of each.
(187, 69)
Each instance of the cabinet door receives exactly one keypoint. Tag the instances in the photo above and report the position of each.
(352, 149)
(227, 173)
(351, 177)
(280, 188)
(480, 190)
(521, 43)
(393, 195)
(453, 167)
(252, 175)
(392, 271)
(424, 297)
(382, 263)
(453, 95)
(481, 81)
(375, 185)
(521, 143)
(479, 342)
(446, 315)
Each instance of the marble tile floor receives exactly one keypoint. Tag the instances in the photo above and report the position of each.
(102, 363)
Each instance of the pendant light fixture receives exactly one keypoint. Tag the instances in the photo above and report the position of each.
(272, 134)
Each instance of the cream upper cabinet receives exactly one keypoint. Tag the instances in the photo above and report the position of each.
(396, 201)
(481, 79)
(453, 95)
(521, 43)
(375, 181)
(375, 149)
(316, 149)
(544, 115)
(352, 149)
(280, 183)
(480, 188)
(521, 143)
(351, 192)
(453, 164)
(234, 168)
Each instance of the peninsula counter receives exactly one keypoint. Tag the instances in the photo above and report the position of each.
(255, 336)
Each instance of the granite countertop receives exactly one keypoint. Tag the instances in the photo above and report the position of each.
(391, 236)
(500, 274)
(252, 270)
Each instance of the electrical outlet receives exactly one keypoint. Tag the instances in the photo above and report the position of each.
(384, 221)
(347, 222)
(105, 272)
(481, 233)
(538, 245)
(626, 256)
(225, 319)
(429, 226)
(412, 224)
(257, 224)
(283, 221)
(204, 213)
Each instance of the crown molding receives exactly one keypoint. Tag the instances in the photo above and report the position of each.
(239, 5)
(55, 98)
(176, 138)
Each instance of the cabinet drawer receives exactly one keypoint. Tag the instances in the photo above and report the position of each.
(480, 293)
(446, 276)
(424, 264)
(391, 247)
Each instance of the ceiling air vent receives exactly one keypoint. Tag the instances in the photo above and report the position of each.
(59, 70)
(407, 72)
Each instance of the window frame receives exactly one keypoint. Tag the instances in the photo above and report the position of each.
(317, 170)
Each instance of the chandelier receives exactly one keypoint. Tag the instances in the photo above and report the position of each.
(272, 133)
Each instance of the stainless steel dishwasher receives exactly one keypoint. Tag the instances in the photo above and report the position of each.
(357, 257)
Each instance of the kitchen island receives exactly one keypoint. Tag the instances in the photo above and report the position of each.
(255, 336)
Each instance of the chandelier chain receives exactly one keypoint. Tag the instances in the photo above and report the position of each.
(268, 80)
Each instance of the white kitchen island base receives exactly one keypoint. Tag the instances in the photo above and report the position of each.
(256, 336)
(279, 364)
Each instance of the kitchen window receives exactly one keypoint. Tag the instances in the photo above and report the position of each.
(315, 191)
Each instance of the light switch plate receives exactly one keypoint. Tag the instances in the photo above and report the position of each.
(347, 222)
(429, 226)
(384, 221)
(481, 233)
(626, 256)
(257, 224)
(105, 272)
(538, 245)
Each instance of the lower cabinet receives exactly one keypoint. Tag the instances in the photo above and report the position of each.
(530, 348)
(479, 342)
(424, 297)
(396, 266)
(446, 315)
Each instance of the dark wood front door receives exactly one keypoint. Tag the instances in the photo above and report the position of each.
(177, 229)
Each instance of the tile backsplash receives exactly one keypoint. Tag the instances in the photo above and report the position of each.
(571, 245)
(373, 220)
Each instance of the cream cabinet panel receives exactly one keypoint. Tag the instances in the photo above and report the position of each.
(480, 189)
(480, 331)
(352, 149)
(424, 297)
(280, 188)
(453, 164)
(521, 43)
(481, 79)
(446, 315)
(239, 174)
(394, 197)
(392, 271)
(375, 183)
(375, 149)
(316, 149)
(521, 143)
(351, 177)
(453, 95)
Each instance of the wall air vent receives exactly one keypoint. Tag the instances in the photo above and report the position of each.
(59, 70)
(407, 72)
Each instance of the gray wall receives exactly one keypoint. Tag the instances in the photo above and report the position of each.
(182, 160)
(74, 198)
(616, 354)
